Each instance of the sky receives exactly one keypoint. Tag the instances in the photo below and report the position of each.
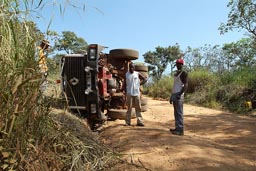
(144, 24)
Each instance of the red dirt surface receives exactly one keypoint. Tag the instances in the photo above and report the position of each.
(214, 140)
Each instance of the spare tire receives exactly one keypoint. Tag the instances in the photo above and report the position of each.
(124, 54)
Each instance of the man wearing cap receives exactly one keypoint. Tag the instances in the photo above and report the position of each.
(179, 86)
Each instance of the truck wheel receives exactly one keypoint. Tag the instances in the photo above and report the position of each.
(111, 83)
(141, 68)
(144, 108)
(119, 114)
(124, 54)
(144, 73)
(144, 101)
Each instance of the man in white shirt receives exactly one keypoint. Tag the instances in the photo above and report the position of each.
(179, 86)
(133, 81)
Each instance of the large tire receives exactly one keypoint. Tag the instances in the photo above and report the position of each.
(111, 83)
(141, 68)
(144, 73)
(144, 108)
(124, 54)
(144, 101)
(144, 104)
(119, 114)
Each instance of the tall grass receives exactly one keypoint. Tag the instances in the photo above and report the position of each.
(23, 112)
(30, 137)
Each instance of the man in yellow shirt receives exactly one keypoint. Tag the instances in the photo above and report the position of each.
(42, 58)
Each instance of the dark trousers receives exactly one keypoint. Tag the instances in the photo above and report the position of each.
(178, 114)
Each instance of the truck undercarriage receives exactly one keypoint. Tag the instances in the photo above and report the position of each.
(93, 83)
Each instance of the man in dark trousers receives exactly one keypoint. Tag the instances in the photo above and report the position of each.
(179, 86)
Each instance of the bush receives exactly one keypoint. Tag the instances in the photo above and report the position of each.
(199, 80)
(205, 97)
(201, 88)
(161, 88)
(244, 76)
(229, 90)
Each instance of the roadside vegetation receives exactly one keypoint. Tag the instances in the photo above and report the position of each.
(35, 137)
(220, 76)
(32, 136)
(229, 91)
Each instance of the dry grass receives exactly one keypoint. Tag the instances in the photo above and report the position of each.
(32, 136)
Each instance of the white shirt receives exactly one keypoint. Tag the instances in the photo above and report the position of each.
(178, 84)
(132, 83)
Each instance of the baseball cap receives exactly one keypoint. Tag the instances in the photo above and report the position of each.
(180, 61)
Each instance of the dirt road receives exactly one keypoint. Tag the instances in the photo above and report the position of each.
(213, 141)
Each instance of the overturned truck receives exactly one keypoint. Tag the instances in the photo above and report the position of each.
(93, 83)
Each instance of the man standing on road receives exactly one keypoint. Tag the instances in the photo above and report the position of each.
(179, 86)
(133, 81)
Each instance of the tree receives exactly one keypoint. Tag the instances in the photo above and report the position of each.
(70, 43)
(160, 58)
(194, 58)
(207, 57)
(241, 16)
(240, 54)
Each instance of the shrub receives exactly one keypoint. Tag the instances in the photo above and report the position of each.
(161, 88)
(199, 80)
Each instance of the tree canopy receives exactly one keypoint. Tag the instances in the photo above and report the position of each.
(70, 43)
(159, 59)
(242, 15)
